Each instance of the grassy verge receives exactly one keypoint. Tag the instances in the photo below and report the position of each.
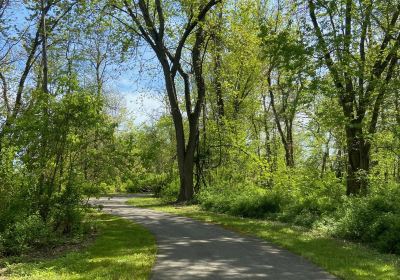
(343, 259)
(122, 250)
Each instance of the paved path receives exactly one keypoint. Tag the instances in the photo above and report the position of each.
(188, 249)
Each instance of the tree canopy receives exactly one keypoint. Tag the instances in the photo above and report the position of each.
(286, 110)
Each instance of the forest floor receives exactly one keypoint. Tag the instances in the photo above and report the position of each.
(121, 250)
(188, 249)
(343, 259)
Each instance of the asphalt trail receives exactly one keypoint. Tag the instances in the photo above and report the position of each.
(189, 249)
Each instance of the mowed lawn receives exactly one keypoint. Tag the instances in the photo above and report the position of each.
(344, 259)
(122, 250)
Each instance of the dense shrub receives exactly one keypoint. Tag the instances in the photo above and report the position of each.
(67, 211)
(27, 233)
(374, 219)
(316, 203)
(247, 202)
(148, 182)
(256, 206)
(302, 200)
(307, 207)
(90, 189)
(170, 191)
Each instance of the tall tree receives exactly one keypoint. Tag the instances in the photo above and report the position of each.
(287, 73)
(150, 22)
(359, 44)
(33, 46)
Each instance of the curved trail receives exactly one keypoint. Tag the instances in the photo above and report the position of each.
(189, 249)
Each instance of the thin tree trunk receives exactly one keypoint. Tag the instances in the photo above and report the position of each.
(325, 157)
(45, 188)
(287, 140)
(218, 68)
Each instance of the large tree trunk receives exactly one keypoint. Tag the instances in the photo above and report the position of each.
(358, 155)
(289, 158)
(186, 190)
(185, 153)
(185, 156)
(171, 65)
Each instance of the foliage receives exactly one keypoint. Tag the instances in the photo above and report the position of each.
(373, 219)
(346, 260)
(24, 234)
(242, 201)
(120, 255)
(315, 204)
(57, 138)
(284, 135)
(283, 110)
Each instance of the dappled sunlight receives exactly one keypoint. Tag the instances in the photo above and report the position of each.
(188, 249)
(344, 259)
(122, 251)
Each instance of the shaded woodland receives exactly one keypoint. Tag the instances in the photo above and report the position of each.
(282, 110)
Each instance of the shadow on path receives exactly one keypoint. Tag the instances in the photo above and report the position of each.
(188, 249)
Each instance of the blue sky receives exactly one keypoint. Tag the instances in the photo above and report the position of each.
(141, 86)
(144, 101)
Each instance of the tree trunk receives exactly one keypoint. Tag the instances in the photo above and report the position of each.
(287, 140)
(171, 65)
(358, 155)
(185, 154)
(397, 106)
(186, 190)
(267, 142)
(325, 157)
(218, 67)
(289, 151)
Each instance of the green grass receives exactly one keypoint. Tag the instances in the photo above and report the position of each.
(122, 250)
(344, 259)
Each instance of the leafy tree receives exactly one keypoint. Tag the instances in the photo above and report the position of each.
(361, 58)
(153, 24)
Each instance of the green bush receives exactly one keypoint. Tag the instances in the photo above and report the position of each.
(214, 202)
(133, 187)
(257, 206)
(316, 203)
(66, 215)
(93, 190)
(374, 219)
(25, 234)
(387, 232)
(251, 201)
(148, 182)
(309, 210)
(170, 191)
(311, 198)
